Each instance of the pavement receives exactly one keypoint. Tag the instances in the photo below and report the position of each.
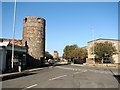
(66, 76)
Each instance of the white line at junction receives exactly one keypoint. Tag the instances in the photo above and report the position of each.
(85, 71)
(57, 77)
(30, 87)
(76, 72)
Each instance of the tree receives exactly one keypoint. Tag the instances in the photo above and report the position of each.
(57, 58)
(100, 49)
(67, 51)
(48, 55)
(80, 54)
(74, 52)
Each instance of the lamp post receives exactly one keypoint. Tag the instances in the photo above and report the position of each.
(14, 22)
(93, 46)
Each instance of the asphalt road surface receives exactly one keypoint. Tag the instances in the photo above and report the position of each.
(66, 76)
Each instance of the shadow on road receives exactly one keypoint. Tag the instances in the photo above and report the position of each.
(26, 73)
(117, 77)
(60, 64)
(16, 76)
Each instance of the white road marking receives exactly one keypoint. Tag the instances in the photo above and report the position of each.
(57, 77)
(30, 87)
(85, 71)
(76, 72)
(96, 71)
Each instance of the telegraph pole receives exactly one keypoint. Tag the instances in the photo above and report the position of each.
(93, 45)
(14, 22)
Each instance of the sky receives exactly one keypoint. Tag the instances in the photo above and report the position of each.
(67, 23)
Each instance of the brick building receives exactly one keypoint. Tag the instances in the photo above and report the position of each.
(16, 42)
(6, 54)
(55, 54)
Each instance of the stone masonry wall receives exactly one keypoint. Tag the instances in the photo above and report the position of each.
(34, 36)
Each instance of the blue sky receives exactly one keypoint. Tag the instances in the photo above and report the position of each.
(66, 23)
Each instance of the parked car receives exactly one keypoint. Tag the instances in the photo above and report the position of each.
(51, 61)
(78, 61)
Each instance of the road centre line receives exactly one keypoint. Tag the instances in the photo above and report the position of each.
(30, 86)
(57, 77)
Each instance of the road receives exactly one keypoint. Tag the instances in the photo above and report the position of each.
(66, 76)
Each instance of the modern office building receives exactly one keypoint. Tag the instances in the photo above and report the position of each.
(115, 43)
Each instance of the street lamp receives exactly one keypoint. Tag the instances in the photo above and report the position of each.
(14, 22)
(93, 45)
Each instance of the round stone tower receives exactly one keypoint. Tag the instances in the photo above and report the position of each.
(34, 39)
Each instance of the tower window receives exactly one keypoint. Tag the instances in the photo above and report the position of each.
(26, 44)
(25, 20)
(39, 20)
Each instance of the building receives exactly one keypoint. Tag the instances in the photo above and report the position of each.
(16, 42)
(56, 55)
(31, 49)
(34, 39)
(115, 43)
(6, 54)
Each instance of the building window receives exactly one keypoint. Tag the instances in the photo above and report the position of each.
(114, 44)
(114, 59)
(26, 44)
